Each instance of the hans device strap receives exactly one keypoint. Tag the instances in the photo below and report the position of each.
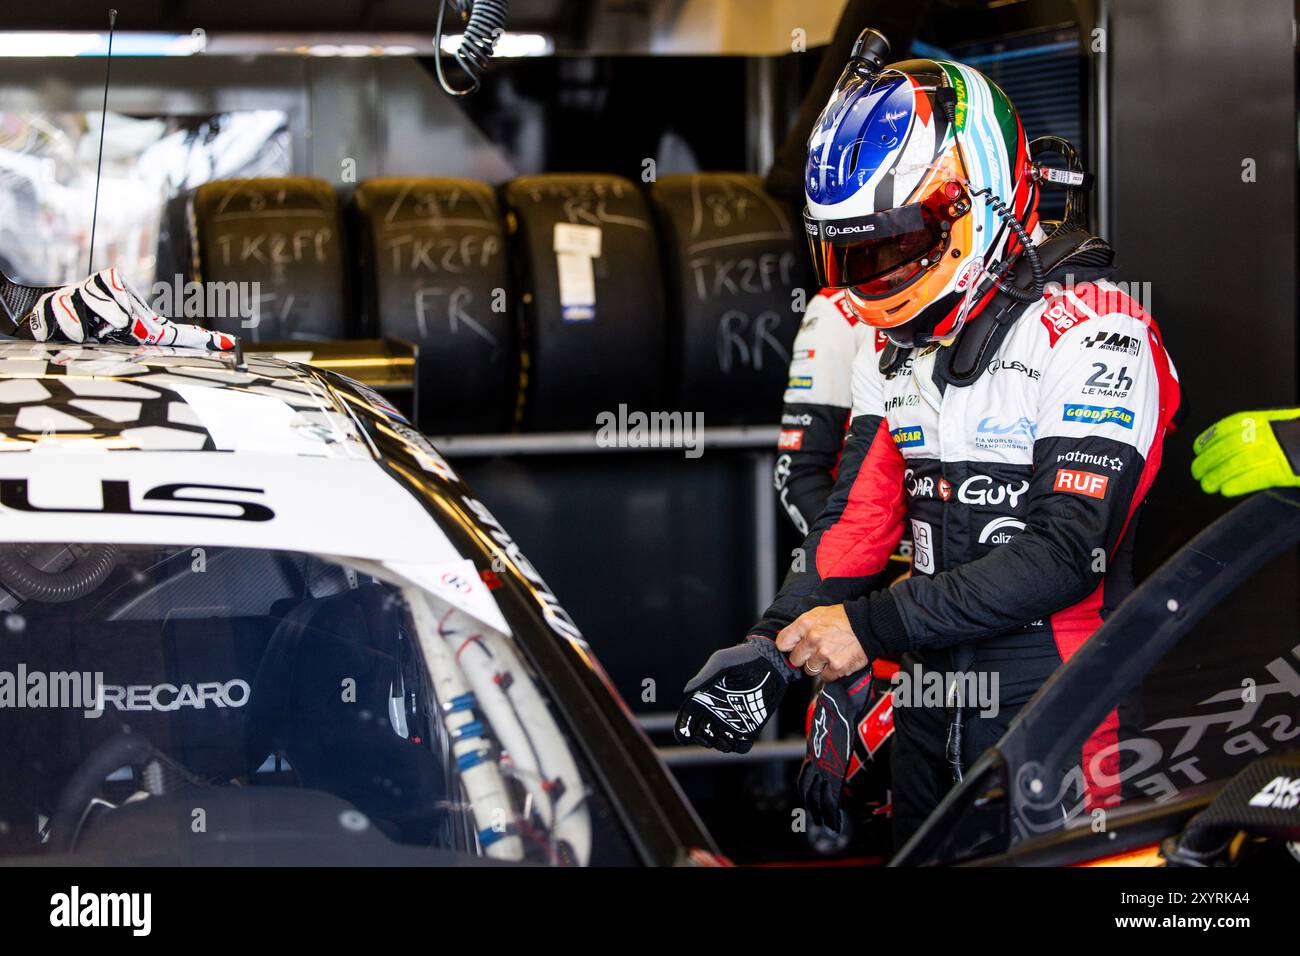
(1074, 253)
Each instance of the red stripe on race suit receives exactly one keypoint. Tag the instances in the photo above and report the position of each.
(839, 455)
(1074, 625)
(860, 542)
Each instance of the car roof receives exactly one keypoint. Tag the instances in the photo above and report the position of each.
(149, 445)
(120, 398)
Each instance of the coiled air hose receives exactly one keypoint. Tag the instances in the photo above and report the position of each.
(1034, 293)
(88, 571)
(486, 21)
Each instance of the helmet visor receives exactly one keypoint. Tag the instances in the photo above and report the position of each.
(874, 252)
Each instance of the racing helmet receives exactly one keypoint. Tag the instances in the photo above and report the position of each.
(920, 192)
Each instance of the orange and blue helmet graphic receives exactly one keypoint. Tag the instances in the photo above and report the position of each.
(887, 141)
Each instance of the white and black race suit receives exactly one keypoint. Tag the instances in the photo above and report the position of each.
(818, 400)
(1020, 490)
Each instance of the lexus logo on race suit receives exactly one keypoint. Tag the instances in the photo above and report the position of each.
(1014, 365)
(983, 490)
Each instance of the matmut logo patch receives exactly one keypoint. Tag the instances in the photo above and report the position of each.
(791, 439)
(1081, 482)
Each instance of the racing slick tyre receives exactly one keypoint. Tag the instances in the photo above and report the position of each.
(592, 306)
(284, 235)
(433, 272)
(733, 266)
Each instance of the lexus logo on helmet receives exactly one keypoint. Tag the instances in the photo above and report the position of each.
(833, 230)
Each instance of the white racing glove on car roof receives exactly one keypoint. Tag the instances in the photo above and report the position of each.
(104, 308)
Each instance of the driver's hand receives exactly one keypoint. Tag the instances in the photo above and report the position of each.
(733, 696)
(1249, 451)
(104, 308)
(822, 642)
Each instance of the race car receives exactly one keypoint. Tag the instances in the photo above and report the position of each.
(249, 615)
(1199, 704)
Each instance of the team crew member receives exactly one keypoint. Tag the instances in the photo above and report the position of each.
(814, 422)
(1015, 425)
(818, 396)
(1249, 451)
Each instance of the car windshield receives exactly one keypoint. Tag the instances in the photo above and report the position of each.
(189, 704)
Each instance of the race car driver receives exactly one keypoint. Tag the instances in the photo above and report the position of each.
(1015, 425)
(1248, 452)
(814, 422)
(104, 308)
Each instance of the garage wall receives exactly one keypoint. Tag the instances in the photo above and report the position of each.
(1195, 94)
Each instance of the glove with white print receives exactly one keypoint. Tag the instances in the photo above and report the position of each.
(836, 713)
(733, 695)
(104, 308)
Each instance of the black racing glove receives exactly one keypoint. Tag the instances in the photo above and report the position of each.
(836, 713)
(733, 695)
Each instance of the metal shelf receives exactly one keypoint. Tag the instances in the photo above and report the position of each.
(759, 444)
(747, 437)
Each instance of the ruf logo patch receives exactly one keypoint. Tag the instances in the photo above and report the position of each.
(1081, 482)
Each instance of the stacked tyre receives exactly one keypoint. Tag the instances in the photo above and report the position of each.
(277, 243)
(433, 272)
(586, 258)
(736, 279)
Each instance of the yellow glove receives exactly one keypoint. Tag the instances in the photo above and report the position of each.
(1249, 451)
